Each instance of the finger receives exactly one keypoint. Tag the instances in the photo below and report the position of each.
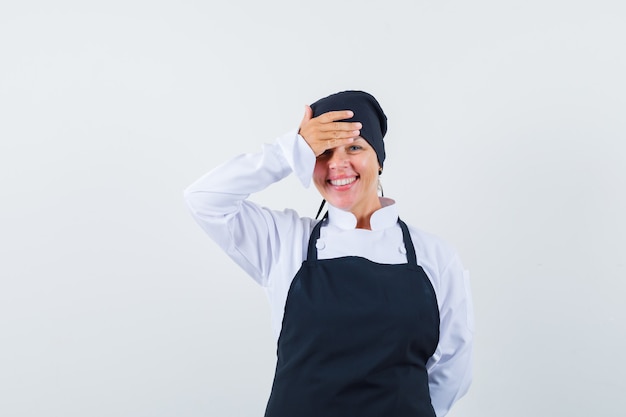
(308, 114)
(334, 143)
(340, 126)
(336, 134)
(333, 116)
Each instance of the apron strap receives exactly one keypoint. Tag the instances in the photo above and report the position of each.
(408, 244)
(315, 234)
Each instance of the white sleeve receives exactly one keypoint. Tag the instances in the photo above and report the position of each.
(248, 233)
(450, 368)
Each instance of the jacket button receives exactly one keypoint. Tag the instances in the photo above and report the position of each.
(320, 244)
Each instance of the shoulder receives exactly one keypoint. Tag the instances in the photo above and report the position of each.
(285, 225)
(432, 248)
(290, 220)
(441, 263)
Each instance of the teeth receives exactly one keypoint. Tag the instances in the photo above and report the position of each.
(343, 181)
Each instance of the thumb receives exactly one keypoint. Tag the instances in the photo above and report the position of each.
(308, 114)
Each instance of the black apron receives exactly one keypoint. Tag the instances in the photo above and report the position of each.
(355, 339)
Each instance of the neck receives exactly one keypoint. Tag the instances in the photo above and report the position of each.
(363, 216)
(363, 224)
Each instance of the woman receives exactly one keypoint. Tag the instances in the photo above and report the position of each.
(373, 318)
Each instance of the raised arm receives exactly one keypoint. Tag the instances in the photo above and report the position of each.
(249, 234)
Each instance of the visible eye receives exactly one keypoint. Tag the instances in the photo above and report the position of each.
(354, 148)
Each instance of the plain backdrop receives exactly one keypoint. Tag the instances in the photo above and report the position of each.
(507, 138)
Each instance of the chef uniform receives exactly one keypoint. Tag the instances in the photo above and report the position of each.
(363, 330)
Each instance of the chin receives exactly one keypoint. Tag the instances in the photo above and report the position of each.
(343, 205)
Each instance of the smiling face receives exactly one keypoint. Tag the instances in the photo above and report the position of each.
(347, 177)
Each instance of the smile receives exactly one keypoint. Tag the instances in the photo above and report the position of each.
(342, 181)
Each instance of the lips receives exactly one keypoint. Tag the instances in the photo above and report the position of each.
(342, 181)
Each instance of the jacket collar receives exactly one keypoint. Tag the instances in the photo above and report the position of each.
(382, 218)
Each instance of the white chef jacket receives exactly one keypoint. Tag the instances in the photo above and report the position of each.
(271, 245)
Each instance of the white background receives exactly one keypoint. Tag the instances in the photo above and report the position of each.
(507, 138)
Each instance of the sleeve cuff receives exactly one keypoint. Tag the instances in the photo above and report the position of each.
(299, 156)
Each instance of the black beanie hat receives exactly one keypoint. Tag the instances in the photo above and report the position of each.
(366, 110)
